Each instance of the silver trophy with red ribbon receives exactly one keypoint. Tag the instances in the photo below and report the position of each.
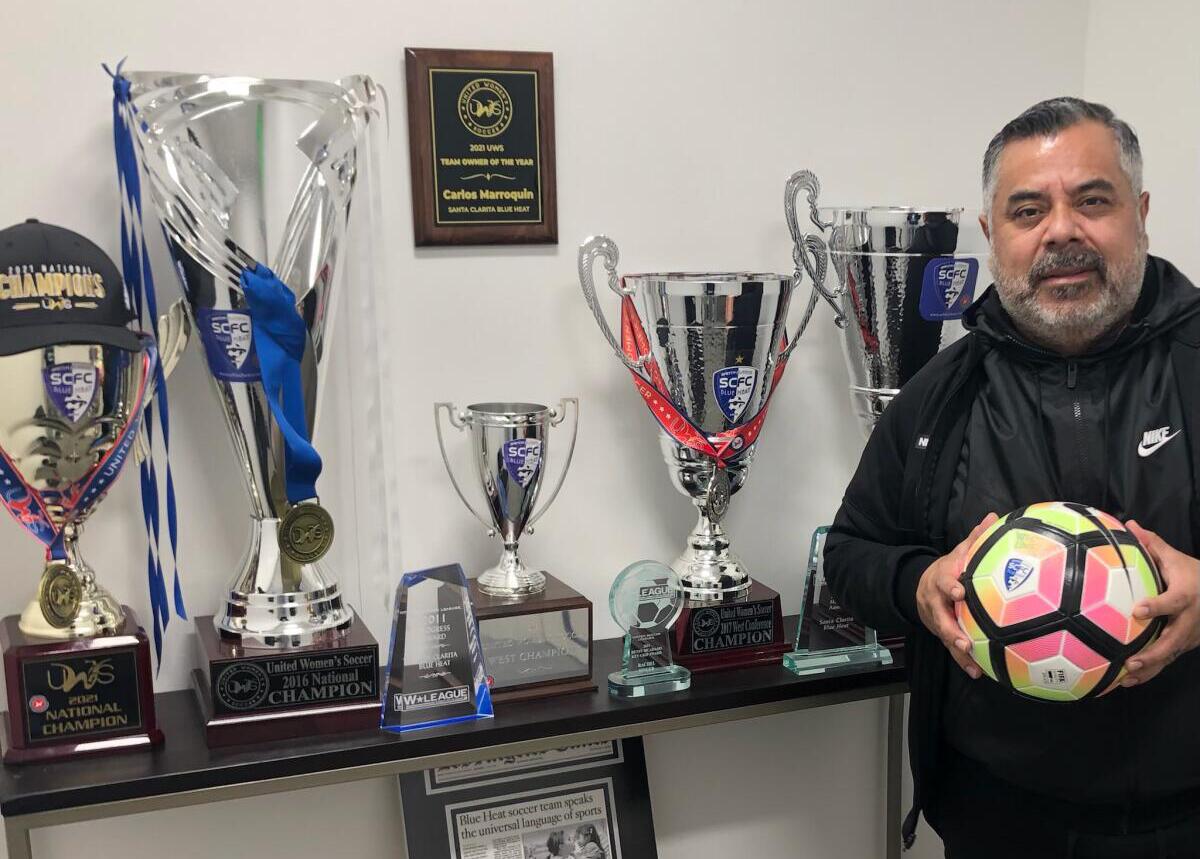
(706, 351)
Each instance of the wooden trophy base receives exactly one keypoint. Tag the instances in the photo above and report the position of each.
(716, 636)
(536, 646)
(255, 694)
(77, 696)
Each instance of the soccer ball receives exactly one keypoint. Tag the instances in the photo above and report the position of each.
(654, 613)
(1050, 591)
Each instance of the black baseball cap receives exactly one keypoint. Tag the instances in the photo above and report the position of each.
(58, 287)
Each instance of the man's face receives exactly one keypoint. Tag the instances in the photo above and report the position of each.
(1068, 236)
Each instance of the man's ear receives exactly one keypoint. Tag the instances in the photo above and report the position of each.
(983, 223)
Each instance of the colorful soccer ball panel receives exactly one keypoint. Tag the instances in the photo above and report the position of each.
(1112, 585)
(1064, 518)
(1054, 667)
(1021, 577)
(980, 649)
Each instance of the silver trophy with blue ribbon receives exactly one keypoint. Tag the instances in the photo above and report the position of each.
(252, 181)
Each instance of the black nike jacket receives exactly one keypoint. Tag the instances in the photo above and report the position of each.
(992, 423)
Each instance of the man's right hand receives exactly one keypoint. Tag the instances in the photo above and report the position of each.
(938, 591)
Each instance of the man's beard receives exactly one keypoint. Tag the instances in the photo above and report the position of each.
(1072, 329)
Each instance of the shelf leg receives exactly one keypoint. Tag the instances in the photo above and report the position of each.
(895, 765)
(16, 837)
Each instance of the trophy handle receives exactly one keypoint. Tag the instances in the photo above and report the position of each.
(174, 333)
(606, 249)
(458, 424)
(557, 416)
(809, 252)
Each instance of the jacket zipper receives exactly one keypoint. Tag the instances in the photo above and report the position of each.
(1079, 434)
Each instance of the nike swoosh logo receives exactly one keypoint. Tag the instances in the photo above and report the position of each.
(1144, 451)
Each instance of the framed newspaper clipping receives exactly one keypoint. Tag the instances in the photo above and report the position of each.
(590, 800)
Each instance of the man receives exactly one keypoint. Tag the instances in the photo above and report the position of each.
(1084, 347)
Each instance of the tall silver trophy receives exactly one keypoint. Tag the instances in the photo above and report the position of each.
(903, 277)
(535, 628)
(706, 351)
(253, 181)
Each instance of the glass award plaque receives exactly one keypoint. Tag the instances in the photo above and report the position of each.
(830, 639)
(646, 599)
(435, 674)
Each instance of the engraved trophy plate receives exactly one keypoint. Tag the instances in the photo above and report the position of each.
(436, 673)
(536, 629)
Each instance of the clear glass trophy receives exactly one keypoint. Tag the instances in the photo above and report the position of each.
(436, 674)
(646, 599)
(830, 639)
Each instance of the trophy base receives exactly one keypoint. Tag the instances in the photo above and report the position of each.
(843, 660)
(676, 678)
(81, 696)
(255, 694)
(733, 633)
(535, 646)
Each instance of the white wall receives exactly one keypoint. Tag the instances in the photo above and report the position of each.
(677, 124)
(1143, 65)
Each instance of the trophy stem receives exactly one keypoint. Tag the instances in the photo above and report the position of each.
(707, 569)
(510, 577)
(275, 602)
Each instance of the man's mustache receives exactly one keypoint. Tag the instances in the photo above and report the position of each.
(1081, 259)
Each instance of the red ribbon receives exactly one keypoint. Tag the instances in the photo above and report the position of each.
(725, 446)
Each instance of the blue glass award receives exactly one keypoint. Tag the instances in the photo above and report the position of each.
(646, 599)
(436, 674)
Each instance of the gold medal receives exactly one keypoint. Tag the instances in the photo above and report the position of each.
(59, 595)
(306, 532)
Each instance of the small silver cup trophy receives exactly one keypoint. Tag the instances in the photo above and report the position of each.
(706, 351)
(535, 629)
(904, 277)
(246, 172)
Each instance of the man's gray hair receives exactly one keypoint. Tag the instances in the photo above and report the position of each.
(1047, 118)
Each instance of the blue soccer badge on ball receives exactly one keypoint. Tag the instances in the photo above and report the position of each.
(1016, 571)
(733, 387)
(71, 388)
(948, 287)
(229, 344)
(522, 459)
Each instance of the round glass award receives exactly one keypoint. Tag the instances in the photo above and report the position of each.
(646, 598)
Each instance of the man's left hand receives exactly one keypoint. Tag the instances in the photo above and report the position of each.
(1179, 603)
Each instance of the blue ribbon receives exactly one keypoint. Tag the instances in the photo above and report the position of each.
(279, 339)
(139, 285)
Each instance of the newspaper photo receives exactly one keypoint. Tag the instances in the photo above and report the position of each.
(574, 821)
